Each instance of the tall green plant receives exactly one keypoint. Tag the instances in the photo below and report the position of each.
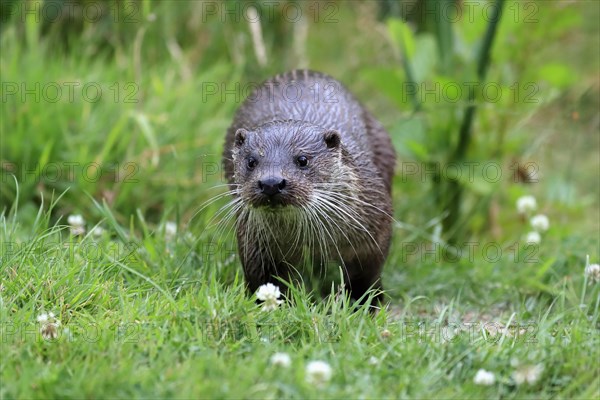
(455, 188)
(440, 134)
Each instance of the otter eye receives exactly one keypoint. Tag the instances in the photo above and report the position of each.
(252, 163)
(302, 161)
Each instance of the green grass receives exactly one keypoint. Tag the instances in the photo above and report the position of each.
(152, 320)
(148, 315)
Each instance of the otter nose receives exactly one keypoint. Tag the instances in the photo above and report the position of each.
(271, 186)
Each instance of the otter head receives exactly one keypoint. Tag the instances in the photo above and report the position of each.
(279, 164)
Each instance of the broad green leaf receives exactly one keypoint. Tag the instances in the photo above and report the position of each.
(402, 37)
(408, 137)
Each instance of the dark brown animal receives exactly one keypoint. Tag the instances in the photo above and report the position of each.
(310, 171)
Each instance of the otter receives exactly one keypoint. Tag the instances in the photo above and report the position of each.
(310, 170)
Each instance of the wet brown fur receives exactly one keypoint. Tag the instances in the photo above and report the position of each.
(338, 208)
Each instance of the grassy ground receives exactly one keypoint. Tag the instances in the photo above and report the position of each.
(148, 312)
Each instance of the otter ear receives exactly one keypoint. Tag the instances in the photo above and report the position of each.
(240, 136)
(332, 139)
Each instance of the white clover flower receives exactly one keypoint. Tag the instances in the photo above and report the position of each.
(528, 374)
(318, 373)
(77, 224)
(75, 220)
(269, 295)
(386, 333)
(540, 222)
(373, 360)
(44, 317)
(533, 238)
(281, 360)
(170, 230)
(592, 272)
(526, 204)
(49, 325)
(49, 331)
(97, 231)
(485, 378)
